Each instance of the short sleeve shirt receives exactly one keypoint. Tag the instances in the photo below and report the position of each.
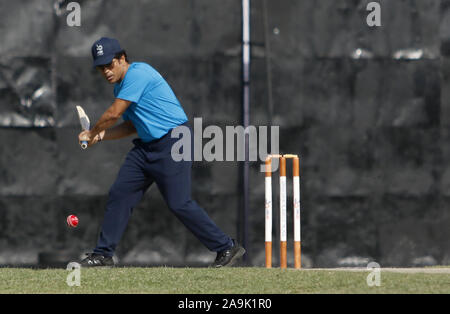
(154, 108)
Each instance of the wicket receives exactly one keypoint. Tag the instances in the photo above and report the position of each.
(268, 210)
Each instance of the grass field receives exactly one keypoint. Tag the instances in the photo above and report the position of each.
(218, 281)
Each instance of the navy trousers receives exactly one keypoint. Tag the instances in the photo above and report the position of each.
(145, 164)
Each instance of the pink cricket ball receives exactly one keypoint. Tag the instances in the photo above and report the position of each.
(72, 221)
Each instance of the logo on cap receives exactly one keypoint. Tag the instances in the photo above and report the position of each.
(99, 50)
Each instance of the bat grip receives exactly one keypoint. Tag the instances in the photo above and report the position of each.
(84, 144)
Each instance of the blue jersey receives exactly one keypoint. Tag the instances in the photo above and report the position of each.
(154, 108)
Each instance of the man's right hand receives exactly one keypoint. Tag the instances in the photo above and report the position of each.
(86, 136)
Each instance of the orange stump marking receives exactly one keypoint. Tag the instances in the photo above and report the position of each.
(296, 211)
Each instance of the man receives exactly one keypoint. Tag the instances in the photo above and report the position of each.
(149, 108)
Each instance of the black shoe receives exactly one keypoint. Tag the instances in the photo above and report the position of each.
(97, 260)
(228, 257)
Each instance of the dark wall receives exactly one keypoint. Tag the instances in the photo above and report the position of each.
(370, 125)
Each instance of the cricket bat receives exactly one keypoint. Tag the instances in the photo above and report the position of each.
(85, 124)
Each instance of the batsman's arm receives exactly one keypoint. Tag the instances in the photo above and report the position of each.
(119, 131)
(110, 116)
(122, 130)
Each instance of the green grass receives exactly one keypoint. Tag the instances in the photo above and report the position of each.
(212, 281)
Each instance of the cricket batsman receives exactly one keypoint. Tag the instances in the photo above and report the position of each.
(148, 107)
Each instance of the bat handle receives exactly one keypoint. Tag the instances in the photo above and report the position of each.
(84, 144)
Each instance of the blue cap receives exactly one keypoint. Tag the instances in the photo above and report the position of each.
(104, 50)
